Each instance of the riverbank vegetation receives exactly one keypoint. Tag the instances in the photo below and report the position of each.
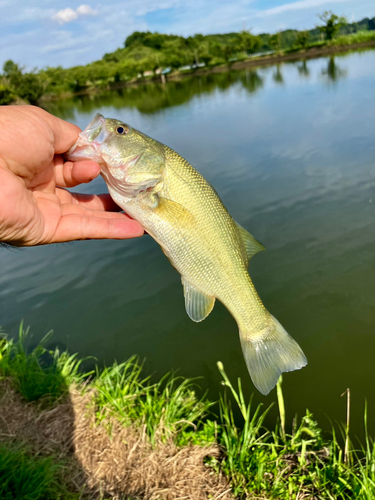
(115, 433)
(148, 55)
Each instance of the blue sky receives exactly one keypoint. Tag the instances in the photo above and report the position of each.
(40, 33)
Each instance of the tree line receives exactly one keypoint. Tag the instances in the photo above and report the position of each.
(147, 54)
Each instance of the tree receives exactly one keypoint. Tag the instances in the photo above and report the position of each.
(302, 38)
(332, 24)
(110, 58)
(248, 42)
(6, 95)
(137, 36)
(275, 42)
(10, 68)
(28, 86)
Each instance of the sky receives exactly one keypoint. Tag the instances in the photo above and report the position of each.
(41, 33)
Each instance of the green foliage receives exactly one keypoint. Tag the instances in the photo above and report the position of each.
(148, 39)
(6, 94)
(27, 86)
(24, 476)
(332, 24)
(274, 42)
(248, 42)
(302, 38)
(166, 408)
(41, 373)
(359, 37)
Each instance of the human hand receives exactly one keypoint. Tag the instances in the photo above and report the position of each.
(34, 207)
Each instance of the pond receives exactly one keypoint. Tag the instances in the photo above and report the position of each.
(291, 151)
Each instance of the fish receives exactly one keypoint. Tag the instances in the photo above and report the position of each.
(182, 211)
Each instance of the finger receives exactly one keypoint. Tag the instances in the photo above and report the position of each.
(81, 227)
(69, 208)
(65, 133)
(69, 174)
(91, 201)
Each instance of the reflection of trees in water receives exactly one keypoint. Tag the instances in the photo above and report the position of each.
(278, 76)
(303, 69)
(333, 72)
(151, 97)
(251, 81)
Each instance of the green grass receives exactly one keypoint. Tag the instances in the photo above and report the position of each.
(24, 476)
(258, 461)
(41, 373)
(359, 37)
(166, 408)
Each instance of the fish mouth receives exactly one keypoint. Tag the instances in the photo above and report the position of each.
(89, 141)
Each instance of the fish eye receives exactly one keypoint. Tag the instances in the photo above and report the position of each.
(122, 130)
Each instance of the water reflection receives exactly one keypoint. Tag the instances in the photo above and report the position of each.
(251, 80)
(303, 69)
(333, 72)
(151, 97)
(278, 76)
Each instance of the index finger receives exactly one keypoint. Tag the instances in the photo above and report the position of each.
(65, 134)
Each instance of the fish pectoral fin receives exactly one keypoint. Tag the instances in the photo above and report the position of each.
(252, 246)
(173, 211)
(198, 304)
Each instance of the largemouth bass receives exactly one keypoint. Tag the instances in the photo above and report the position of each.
(184, 214)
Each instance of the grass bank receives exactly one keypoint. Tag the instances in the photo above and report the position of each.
(114, 433)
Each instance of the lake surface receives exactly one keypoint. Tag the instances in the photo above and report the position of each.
(291, 151)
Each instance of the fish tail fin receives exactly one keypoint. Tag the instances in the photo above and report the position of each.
(269, 353)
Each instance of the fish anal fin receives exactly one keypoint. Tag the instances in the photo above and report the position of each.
(198, 304)
(252, 246)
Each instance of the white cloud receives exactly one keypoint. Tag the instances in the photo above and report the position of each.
(68, 15)
(303, 4)
(86, 10)
(65, 16)
(49, 32)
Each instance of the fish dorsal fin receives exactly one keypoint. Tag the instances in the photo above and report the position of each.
(252, 246)
(198, 304)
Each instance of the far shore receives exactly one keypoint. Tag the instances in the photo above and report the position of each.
(269, 59)
(252, 62)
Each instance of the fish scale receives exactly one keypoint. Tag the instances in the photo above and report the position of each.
(180, 209)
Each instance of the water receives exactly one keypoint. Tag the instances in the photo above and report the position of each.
(291, 151)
